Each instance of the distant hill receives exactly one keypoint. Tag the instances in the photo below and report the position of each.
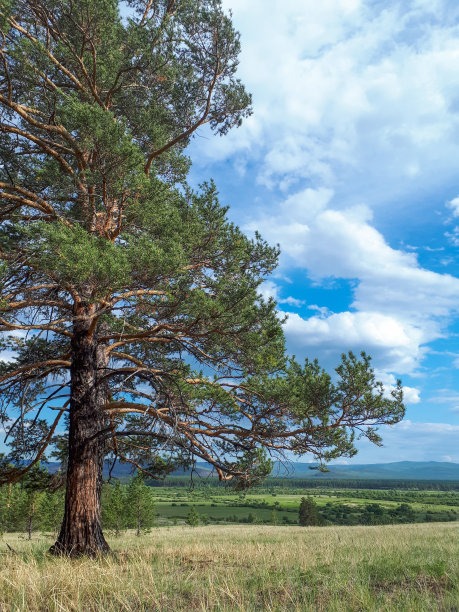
(400, 470)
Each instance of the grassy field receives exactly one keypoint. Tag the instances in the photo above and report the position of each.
(174, 504)
(227, 568)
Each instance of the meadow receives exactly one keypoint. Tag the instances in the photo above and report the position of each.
(216, 505)
(411, 567)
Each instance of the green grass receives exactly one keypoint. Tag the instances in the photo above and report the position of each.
(222, 512)
(176, 504)
(413, 568)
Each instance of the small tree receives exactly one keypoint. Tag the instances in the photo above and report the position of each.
(52, 511)
(141, 509)
(308, 514)
(33, 485)
(115, 507)
(10, 508)
(192, 518)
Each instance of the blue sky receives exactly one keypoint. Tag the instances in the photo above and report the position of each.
(351, 163)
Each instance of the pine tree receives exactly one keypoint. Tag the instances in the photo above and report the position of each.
(308, 514)
(131, 287)
(10, 505)
(192, 518)
(140, 504)
(115, 508)
(51, 511)
(33, 486)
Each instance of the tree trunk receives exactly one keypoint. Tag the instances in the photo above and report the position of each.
(81, 531)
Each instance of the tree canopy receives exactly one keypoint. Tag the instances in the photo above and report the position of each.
(129, 304)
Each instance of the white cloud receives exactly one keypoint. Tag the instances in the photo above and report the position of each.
(352, 97)
(453, 236)
(269, 289)
(348, 92)
(356, 125)
(454, 205)
(7, 356)
(343, 244)
(426, 429)
(393, 345)
(323, 311)
(411, 395)
(448, 397)
(291, 301)
(413, 441)
(398, 306)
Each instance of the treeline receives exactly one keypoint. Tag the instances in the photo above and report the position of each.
(32, 506)
(343, 514)
(370, 514)
(375, 514)
(446, 498)
(298, 485)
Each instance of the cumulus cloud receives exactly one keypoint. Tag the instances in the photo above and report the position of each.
(348, 91)
(357, 106)
(355, 133)
(398, 306)
(411, 395)
(392, 345)
(454, 206)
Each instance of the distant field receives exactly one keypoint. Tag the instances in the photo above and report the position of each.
(413, 568)
(173, 505)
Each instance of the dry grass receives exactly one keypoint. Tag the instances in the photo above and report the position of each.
(404, 567)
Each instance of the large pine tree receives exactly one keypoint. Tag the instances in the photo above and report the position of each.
(128, 302)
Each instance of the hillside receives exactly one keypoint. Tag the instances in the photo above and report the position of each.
(400, 470)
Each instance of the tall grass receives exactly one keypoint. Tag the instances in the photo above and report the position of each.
(403, 567)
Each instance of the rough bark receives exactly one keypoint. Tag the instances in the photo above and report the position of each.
(81, 531)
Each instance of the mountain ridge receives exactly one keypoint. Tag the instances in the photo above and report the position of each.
(396, 470)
